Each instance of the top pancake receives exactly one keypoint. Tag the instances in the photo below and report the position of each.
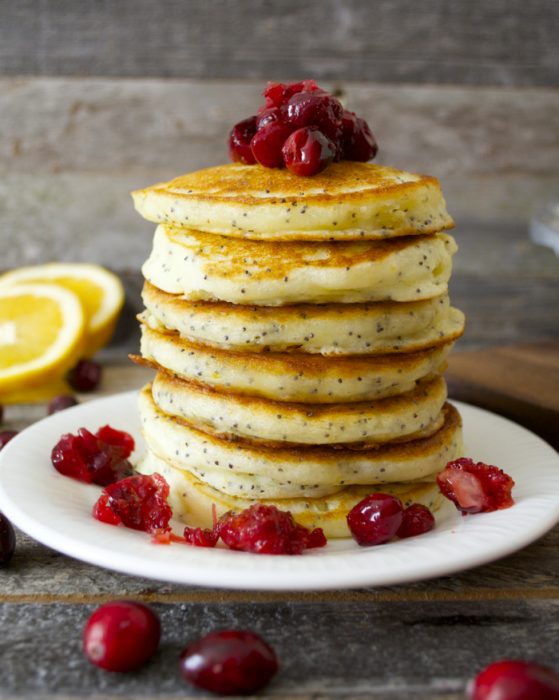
(347, 201)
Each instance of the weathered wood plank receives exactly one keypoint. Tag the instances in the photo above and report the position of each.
(378, 650)
(385, 41)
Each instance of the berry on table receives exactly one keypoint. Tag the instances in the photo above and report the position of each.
(229, 662)
(515, 680)
(6, 436)
(121, 636)
(60, 403)
(7, 540)
(475, 487)
(85, 376)
(376, 519)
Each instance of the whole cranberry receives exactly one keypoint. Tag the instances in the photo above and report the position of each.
(416, 520)
(375, 519)
(240, 137)
(85, 376)
(59, 403)
(7, 540)
(316, 109)
(6, 436)
(515, 680)
(267, 143)
(358, 142)
(229, 662)
(121, 636)
(308, 151)
(272, 114)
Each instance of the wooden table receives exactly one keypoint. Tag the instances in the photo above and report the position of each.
(416, 641)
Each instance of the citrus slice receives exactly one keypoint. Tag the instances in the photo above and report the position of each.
(100, 292)
(41, 334)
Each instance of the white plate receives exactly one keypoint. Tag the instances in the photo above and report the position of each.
(56, 511)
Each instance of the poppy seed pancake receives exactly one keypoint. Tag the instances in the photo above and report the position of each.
(326, 329)
(193, 501)
(233, 415)
(202, 266)
(347, 201)
(303, 378)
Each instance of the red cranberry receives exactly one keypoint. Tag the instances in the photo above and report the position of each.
(358, 142)
(267, 530)
(307, 151)
(59, 403)
(240, 137)
(515, 680)
(229, 662)
(7, 540)
(121, 636)
(201, 537)
(85, 376)
(475, 487)
(316, 109)
(100, 459)
(6, 436)
(375, 519)
(138, 502)
(277, 94)
(416, 519)
(272, 114)
(267, 144)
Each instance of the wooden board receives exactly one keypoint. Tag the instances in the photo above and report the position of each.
(517, 381)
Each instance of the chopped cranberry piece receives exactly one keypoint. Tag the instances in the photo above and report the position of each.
(7, 540)
(60, 403)
(316, 109)
(267, 530)
(475, 487)
(201, 537)
(239, 141)
(277, 94)
(121, 636)
(85, 376)
(515, 680)
(100, 459)
(416, 520)
(6, 436)
(138, 502)
(375, 519)
(229, 662)
(307, 151)
(358, 142)
(267, 144)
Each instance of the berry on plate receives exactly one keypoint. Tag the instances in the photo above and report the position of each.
(475, 487)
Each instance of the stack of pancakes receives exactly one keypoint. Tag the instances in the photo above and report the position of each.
(299, 328)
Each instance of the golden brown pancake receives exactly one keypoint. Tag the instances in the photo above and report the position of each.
(347, 201)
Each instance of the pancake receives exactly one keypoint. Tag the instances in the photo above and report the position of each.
(230, 415)
(347, 201)
(292, 377)
(189, 448)
(381, 327)
(205, 267)
(193, 501)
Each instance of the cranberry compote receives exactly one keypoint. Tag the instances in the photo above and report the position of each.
(121, 636)
(515, 680)
(416, 519)
(265, 529)
(267, 143)
(316, 109)
(201, 537)
(229, 662)
(6, 436)
(475, 487)
(7, 540)
(100, 458)
(358, 142)
(85, 376)
(376, 519)
(239, 141)
(307, 151)
(138, 502)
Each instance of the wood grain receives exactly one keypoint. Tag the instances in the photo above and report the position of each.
(505, 42)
